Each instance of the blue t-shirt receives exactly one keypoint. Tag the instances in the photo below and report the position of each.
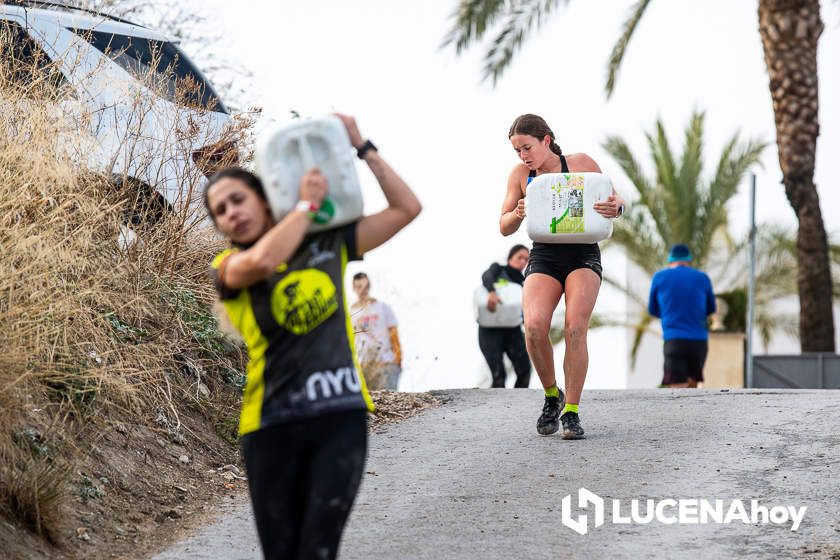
(682, 298)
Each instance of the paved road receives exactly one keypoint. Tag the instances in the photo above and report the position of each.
(472, 479)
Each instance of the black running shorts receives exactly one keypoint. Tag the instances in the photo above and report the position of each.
(684, 359)
(558, 260)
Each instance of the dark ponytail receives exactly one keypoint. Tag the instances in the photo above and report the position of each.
(534, 125)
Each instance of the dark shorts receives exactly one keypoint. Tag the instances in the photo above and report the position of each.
(558, 260)
(684, 359)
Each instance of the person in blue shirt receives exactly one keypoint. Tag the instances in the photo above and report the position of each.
(682, 298)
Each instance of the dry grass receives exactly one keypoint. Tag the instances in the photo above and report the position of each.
(93, 332)
(394, 407)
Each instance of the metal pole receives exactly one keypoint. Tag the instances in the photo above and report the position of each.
(751, 288)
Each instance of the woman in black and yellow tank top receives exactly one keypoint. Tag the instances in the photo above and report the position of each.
(303, 426)
(554, 270)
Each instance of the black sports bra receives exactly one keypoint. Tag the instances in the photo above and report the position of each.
(564, 168)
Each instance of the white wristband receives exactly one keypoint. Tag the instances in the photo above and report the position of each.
(305, 206)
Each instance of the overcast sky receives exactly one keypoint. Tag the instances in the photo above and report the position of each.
(446, 132)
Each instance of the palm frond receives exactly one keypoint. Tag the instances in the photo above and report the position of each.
(471, 20)
(650, 196)
(521, 18)
(637, 233)
(620, 152)
(735, 159)
(617, 55)
(663, 157)
(641, 328)
(671, 207)
(775, 263)
(767, 322)
(775, 278)
(691, 165)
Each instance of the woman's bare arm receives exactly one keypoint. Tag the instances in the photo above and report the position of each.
(513, 207)
(244, 268)
(403, 206)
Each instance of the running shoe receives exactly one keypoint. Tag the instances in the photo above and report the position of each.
(547, 423)
(571, 426)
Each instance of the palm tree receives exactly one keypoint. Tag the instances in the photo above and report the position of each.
(677, 205)
(789, 32)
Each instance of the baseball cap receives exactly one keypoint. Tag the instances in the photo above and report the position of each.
(679, 252)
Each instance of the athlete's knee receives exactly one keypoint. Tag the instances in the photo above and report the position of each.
(535, 331)
(576, 329)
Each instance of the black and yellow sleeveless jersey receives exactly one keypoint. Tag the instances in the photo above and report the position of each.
(299, 335)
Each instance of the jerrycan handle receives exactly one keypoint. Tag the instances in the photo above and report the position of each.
(339, 150)
(305, 153)
(326, 211)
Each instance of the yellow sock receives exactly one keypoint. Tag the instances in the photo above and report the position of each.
(552, 391)
(570, 408)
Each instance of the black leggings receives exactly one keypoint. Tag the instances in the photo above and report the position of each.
(303, 478)
(494, 343)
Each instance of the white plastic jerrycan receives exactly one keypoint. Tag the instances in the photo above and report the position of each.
(559, 208)
(508, 313)
(284, 154)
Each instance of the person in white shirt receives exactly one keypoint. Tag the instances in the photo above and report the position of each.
(377, 341)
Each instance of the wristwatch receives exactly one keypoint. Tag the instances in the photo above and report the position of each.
(363, 149)
(308, 207)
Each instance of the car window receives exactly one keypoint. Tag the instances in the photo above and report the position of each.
(24, 65)
(183, 83)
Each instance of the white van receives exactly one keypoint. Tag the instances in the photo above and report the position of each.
(157, 139)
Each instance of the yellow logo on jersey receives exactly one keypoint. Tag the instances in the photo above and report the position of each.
(303, 300)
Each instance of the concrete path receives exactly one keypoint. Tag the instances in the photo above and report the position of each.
(472, 479)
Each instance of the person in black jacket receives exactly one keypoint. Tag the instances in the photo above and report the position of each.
(497, 341)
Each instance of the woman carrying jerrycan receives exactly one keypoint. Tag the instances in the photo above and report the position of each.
(556, 268)
(303, 424)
